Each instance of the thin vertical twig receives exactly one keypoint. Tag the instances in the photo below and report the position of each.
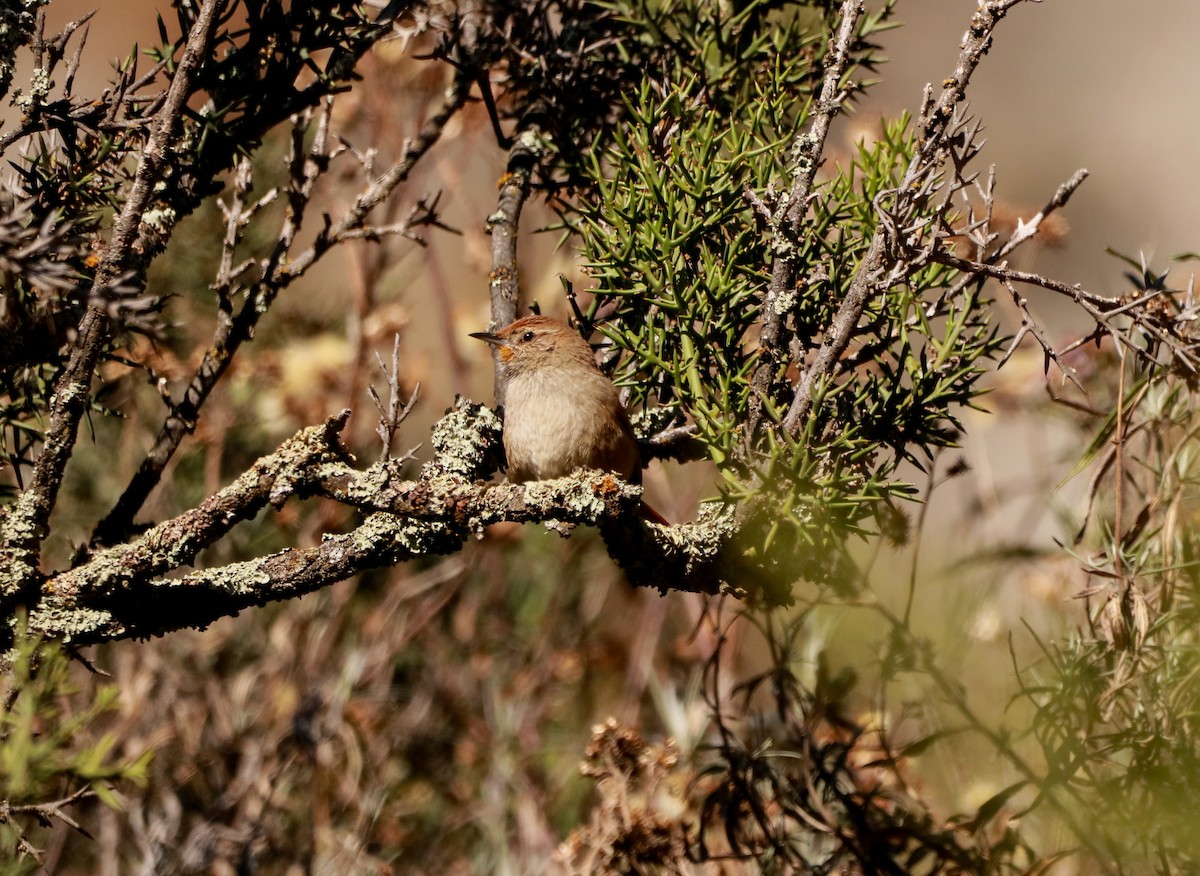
(918, 540)
(1119, 462)
(396, 411)
(503, 225)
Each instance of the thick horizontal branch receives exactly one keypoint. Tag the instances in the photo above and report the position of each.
(582, 499)
(158, 606)
(133, 590)
(177, 542)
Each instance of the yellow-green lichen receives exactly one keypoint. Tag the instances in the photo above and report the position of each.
(464, 440)
(55, 621)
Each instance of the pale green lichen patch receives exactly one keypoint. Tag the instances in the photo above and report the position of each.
(698, 543)
(359, 488)
(464, 441)
(18, 562)
(55, 621)
(422, 539)
(375, 530)
(240, 580)
(585, 496)
(385, 539)
(685, 556)
(17, 24)
(650, 421)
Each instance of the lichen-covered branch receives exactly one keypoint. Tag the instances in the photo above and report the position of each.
(26, 524)
(17, 24)
(176, 542)
(135, 589)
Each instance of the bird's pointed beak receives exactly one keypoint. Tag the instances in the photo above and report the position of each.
(489, 338)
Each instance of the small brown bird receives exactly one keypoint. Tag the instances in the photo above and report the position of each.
(561, 412)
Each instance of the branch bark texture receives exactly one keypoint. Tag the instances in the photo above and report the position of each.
(504, 225)
(788, 217)
(145, 588)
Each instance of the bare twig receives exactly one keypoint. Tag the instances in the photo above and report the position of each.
(1027, 230)
(1181, 344)
(1095, 304)
(1030, 326)
(382, 187)
(44, 813)
(503, 282)
(278, 273)
(396, 411)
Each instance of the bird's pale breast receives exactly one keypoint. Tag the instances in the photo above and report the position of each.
(559, 420)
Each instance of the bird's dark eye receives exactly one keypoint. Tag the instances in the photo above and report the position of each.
(527, 337)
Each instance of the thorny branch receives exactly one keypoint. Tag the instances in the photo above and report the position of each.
(84, 112)
(1024, 231)
(789, 213)
(877, 270)
(44, 813)
(1175, 332)
(1030, 326)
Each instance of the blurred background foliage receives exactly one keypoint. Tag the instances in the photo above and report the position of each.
(951, 711)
